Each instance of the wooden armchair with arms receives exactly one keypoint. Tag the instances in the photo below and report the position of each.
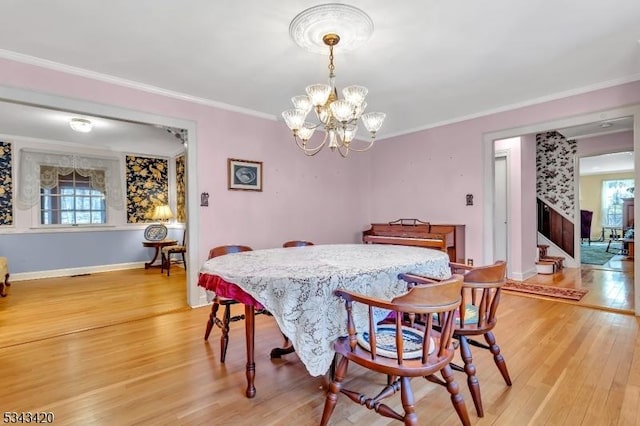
(400, 352)
(477, 316)
(223, 323)
(297, 243)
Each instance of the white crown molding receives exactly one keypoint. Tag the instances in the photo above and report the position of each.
(531, 102)
(56, 66)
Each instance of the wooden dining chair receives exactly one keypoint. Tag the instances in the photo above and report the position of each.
(223, 323)
(297, 243)
(176, 249)
(477, 316)
(400, 352)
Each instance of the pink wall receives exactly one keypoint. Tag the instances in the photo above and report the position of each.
(615, 142)
(427, 174)
(322, 199)
(326, 199)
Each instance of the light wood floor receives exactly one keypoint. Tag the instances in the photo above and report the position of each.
(75, 349)
(610, 285)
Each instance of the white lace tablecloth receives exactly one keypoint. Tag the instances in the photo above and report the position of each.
(296, 285)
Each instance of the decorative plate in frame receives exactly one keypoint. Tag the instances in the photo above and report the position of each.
(155, 232)
(386, 341)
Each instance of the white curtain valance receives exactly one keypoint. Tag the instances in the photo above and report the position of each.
(30, 178)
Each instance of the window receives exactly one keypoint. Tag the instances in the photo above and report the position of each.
(613, 192)
(73, 201)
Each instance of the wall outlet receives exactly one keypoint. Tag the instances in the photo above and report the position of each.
(470, 262)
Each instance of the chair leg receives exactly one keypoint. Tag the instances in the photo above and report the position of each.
(162, 262)
(224, 339)
(168, 263)
(456, 398)
(408, 402)
(184, 262)
(334, 390)
(497, 357)
(212, 316)
(472, 380)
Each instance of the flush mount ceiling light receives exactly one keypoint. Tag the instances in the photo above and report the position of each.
(80, 125)
(321, 27)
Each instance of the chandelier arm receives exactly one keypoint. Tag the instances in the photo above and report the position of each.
(346, 151)
(311, 151)
(367, 148)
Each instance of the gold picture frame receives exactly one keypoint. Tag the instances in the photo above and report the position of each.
(244, 175)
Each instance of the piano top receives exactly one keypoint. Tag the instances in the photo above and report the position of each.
(408, 228)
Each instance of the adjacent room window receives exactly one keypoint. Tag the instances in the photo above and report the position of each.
(72, 199)
(613, 192)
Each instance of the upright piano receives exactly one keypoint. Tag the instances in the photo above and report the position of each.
(414, 232)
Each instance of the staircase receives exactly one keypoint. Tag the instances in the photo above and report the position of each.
(547, 264)
(555, 227)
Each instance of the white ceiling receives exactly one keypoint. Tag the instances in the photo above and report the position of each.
(615, 162)
(428, 62)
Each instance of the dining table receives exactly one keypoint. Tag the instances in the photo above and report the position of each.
(296, 286)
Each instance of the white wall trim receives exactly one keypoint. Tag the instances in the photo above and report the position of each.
(521, 276)
(110, 111)
(488, 155)
(530, 102)
(55, 273)
(56, 66)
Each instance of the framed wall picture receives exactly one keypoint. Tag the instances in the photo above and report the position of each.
(244, 175)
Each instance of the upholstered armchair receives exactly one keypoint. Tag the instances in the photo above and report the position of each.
(585, 225)
(4, 276)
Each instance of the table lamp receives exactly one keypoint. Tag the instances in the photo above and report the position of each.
(156, 232)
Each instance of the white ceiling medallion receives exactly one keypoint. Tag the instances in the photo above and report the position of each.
(352, 24)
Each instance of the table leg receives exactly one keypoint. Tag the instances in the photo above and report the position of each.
(249, 327)
(155, 256)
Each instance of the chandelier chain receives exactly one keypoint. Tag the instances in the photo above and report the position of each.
(331, 66)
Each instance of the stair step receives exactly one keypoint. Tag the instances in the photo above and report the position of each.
(558, 260)
(545, 267)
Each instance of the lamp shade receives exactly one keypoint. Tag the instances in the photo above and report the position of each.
(162, 213)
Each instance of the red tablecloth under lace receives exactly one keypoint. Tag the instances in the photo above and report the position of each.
(229, 290)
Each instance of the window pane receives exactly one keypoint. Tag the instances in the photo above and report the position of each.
(97, 217)
(73, 202)
(83, 203)
(66, 218)
(83, 217)
(613, 192)
(97, 203)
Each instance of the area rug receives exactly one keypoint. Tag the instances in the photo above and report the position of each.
(545, 290)
(596, 254)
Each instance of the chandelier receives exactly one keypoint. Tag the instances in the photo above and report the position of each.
(337, 117)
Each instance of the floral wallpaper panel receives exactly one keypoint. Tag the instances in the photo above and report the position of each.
(147, 187)
(555, 172)
(6, 184)
(181, 189)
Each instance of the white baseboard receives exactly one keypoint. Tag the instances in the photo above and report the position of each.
(521, 276)
(55, 273)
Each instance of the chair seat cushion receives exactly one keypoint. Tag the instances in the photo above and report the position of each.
(470, 315)
(170, 249)
(386, 341)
